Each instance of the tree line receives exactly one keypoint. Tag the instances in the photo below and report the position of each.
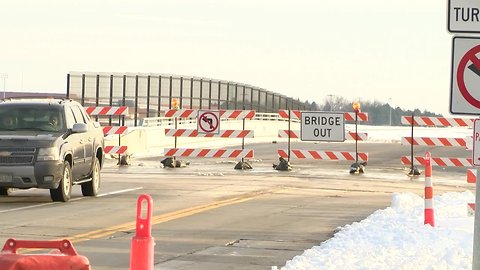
(379, 113)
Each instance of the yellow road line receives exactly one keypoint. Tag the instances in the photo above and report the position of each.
(165, 217)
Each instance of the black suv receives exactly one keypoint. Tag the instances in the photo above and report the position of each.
(49, 144)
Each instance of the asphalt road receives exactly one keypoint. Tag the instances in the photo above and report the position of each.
(210, 216)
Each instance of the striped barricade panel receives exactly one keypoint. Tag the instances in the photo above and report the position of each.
(437, 121)
(295, 134)
(432, 141)
(115, 149)
(349, 116)
(325, 155)
(107, 110)
(114, 130)
(230, 114)
(222, 134)
(294, 114)
(472, 176)
(211, 153)
(440, 161)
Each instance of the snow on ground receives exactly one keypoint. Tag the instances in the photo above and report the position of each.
(396, 237)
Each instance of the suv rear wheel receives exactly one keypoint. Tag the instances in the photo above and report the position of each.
(64, 190)
(91, 188)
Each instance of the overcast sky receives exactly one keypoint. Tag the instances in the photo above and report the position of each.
(370, 49)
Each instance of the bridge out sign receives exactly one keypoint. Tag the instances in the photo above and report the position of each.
(322, 126)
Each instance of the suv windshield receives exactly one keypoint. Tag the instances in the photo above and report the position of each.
(43, 118)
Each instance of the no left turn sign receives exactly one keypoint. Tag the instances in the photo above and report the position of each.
(208, 122)
(465, 77)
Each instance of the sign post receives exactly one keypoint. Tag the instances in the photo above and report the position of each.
(464, 17)
(476, 162)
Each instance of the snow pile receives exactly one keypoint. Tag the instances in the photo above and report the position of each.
(396, 238)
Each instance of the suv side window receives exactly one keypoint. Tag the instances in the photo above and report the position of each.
(69, 117)
(78, 115)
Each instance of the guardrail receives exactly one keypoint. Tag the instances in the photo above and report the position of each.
(168, 121)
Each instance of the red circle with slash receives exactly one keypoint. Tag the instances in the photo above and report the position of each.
(208, 122)
(471, 55)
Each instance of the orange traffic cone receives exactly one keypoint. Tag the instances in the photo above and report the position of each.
(142, 252)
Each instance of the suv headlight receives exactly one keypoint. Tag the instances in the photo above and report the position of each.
(50, 153)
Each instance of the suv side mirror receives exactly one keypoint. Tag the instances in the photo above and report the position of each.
(79, 128)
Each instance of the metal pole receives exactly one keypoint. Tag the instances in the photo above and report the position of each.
(289, 133)
(356, 137)
(476, 229)
(411, 145)
(243, 140)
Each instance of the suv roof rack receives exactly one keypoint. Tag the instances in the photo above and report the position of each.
(35, 98)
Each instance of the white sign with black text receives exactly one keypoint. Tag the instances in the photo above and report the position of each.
(476, 143)
(322, 126)
(464, 16)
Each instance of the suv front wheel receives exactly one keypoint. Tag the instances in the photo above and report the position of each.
(64, 190)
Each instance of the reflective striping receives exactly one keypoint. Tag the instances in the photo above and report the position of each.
(325, 155)
(437, 121)
(349, 116)
(472, 176)
(211, 153)
(229, 114)
(428, 204)
(182, 113)
(440, 161)
(107, 110)
(295, 134)
(222, 134)
(115, 149)
(294, 114)
(356, 136)
(115, 130)
(237, 114)
(429, 217)
(432, 141)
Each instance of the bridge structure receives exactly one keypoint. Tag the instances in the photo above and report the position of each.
(150, 95)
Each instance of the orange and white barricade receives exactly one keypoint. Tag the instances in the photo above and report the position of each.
(210, 153)
(65, 257)
(322, 155)
(111, 130)
(437, 141)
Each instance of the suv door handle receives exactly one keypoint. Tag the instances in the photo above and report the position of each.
(90, 139)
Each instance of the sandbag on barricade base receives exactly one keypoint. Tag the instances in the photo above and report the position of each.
(358, 167)
(414, 171)
(63, 257)
(172, 162)
(243, 165)
(284, 165)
